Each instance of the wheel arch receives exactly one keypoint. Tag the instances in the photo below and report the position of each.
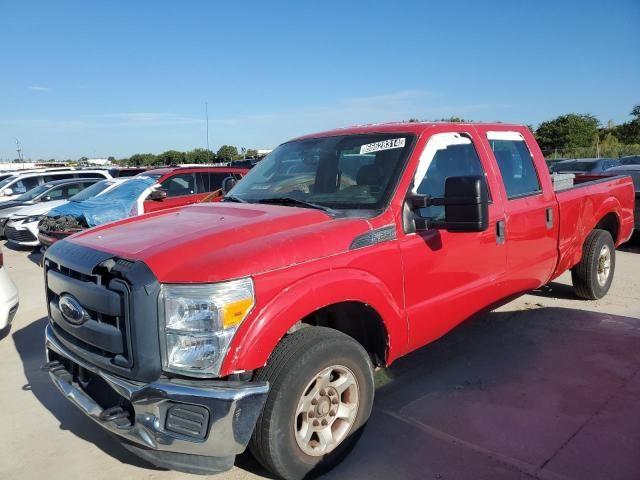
(325, 299)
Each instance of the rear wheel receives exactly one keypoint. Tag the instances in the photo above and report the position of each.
(592, 277)
(321, 394)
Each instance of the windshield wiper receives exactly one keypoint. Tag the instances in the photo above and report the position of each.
(233, 198)
(289, 201)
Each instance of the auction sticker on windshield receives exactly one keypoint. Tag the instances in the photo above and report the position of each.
(383, 145)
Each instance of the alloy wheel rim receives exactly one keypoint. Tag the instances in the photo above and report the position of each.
(604, 265)
(326, 410)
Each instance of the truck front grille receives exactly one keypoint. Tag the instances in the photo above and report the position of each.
(104, 335)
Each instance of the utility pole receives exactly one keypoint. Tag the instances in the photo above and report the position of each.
(19, 150)
(206, 110)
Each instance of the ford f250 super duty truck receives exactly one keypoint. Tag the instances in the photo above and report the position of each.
(194, 332)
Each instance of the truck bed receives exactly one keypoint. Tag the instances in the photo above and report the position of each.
(584, 206)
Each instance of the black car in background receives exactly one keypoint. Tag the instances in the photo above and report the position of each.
(634, 172)
(630, 160)
(583, 166)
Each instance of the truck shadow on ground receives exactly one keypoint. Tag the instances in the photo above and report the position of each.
(518, 384)
(474, 384)
(633, 245)
(35, 255)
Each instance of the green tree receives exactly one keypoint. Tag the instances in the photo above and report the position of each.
(170, 157)
(568, 131)
(200, 155)
(252, 152)
(227, 153)
(141, 159)
(629, 132)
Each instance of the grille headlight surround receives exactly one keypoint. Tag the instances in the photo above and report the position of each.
(198, 322)
(31, 218)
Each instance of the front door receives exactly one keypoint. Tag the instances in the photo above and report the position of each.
(450, 276)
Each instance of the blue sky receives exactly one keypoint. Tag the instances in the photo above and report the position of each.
(120, 77)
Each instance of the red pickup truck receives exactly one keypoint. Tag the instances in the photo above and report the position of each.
(195, 332)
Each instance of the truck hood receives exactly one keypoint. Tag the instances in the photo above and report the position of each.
(216, 242)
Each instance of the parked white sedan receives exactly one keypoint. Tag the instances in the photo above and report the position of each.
(8, 297)
(22, 225)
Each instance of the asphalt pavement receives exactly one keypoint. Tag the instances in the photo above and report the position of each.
(546, 386)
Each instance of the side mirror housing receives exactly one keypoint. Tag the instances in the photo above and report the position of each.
(7, 192)
(227, 184)
(46, 198)
(157, 195)
(466, 205)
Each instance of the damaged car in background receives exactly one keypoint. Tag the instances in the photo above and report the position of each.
(19, 222)
(157, 189)
(124, 199)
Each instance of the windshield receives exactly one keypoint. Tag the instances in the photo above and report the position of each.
(91, 191)
(342, 172)
(33, 193)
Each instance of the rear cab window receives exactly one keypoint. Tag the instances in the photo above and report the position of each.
(515, 161)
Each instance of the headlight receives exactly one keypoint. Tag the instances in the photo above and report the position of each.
(198, 323)
(33, 218)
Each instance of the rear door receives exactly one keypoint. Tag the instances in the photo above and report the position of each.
(450, 276)
(531, 210)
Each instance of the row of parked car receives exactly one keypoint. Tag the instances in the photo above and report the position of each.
(39, 208)
(591, 166)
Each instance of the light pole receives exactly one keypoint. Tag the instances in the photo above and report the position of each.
(206, 112)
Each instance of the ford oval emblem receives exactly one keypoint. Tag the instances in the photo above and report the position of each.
(71, 310)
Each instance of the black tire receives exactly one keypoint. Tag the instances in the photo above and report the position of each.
(585, 274)
(295, 362)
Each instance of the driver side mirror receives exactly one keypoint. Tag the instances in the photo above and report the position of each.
(7, 192)
(157, 195)
(228, 183)
(46, 198)
(466, 205)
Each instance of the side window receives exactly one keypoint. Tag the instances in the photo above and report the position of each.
(179, 185)
(446, 155)
(516, 164)
(216, 180)
(24, 185)
(57, 193)
(72, 189)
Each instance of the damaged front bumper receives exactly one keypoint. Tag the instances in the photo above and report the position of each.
(193, 426)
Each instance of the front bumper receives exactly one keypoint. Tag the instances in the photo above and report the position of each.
(231, 410)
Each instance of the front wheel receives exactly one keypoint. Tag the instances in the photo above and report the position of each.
(320, 398)
(593, 275)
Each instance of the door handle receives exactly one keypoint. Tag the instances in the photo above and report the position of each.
(500, 232)
(549, 217)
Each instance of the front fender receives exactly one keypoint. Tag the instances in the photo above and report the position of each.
(259, 335)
